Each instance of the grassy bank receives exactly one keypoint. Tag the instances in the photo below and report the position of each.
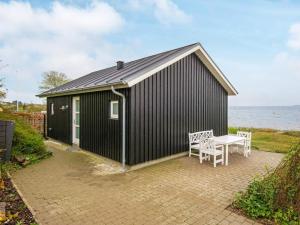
(27, 146)
(270, 140)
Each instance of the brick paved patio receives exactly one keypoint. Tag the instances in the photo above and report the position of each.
(66, 189)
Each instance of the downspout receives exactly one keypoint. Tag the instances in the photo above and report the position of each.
(123, 125)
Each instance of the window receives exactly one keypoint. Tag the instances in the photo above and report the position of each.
(52, 108)
(114, 109)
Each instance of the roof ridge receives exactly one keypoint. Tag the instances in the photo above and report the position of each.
(111, 67)
(156, 54)
(175, 49)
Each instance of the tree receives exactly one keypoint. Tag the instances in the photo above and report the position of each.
(52, 79)
(2, 90)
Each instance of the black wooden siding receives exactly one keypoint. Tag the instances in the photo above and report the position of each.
(181, 98)
(161, 110)
(98, 132)
(60, 124)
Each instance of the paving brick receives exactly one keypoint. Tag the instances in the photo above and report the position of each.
(65, 189)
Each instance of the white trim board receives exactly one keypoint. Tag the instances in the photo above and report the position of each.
(74, 125)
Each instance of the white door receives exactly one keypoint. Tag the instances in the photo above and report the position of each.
(76, 120)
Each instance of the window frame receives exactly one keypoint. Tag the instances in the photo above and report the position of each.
(114, 115)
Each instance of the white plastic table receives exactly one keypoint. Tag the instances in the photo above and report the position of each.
(227, 140)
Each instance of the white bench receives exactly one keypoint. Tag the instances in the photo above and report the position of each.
(196, 138)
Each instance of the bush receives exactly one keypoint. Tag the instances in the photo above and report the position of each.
(258, 200)
(26, 140)
(288, 185)
(287, 217)
(275, 196)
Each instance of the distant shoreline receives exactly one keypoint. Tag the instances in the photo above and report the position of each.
(265, 106)
(262, 129)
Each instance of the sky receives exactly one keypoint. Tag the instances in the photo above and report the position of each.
(255, 43)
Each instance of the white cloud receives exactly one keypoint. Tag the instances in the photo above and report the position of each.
(64, 38)
(21, 18)
(294, 39)
(166, 11)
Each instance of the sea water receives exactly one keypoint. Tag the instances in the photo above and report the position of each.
(275, 117)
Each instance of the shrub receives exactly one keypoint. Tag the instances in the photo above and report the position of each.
(287, 217)
(27, 141)
(288, 184)
(257, 201)
(275, 196)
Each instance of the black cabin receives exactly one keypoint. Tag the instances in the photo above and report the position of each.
(163, 96)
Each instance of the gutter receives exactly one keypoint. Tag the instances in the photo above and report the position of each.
(123, 126)
(101, 87)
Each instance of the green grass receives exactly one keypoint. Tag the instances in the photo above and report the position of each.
(269, 139)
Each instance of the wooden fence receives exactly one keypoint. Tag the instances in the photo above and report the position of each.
(6, 137)
(37, 120)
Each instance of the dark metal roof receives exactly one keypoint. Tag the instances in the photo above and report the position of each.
(112, 76)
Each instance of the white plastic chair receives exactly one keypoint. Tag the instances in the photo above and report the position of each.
(245, 144)
(195, 138)
(208, 147)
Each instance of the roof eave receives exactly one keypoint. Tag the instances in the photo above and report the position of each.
(105, 87)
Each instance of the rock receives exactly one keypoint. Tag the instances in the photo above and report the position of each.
(25, 163)
(2, 185)
(20, 159)
(2, 211)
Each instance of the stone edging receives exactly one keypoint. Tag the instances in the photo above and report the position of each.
(24, 199)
